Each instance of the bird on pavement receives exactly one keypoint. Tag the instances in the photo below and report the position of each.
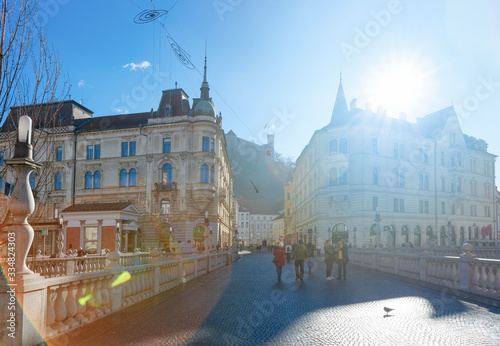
(387, 310)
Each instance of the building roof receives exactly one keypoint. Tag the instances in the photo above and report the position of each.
(97, 207)
(114, 122)
(340, 107)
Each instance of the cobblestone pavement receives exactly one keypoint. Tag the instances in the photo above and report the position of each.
(245, 305)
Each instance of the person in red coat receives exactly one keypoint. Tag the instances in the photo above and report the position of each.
(279, 256)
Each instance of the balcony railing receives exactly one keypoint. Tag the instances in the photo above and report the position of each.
(165, 186)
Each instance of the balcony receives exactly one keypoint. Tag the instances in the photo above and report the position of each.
(165, 186)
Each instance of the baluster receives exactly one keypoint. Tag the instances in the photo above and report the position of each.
(454, 274)
(497, 282)
(89, 313)
(97, 297)
(105, 308)
(475, 277)
(483, 279)
(80, 308)
(71, 307)
(51, 315)
(60, 310)
(490, 283)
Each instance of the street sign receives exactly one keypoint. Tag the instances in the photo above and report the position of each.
(45, 231)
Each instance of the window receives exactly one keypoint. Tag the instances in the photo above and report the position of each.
(128, 149)
(420, 181)
(90, 242)
(473, 210)
(32, 181)
(333, 146)
(56, 210)
(167, 173)
(375, 176)
(426, 207)
(59, 153)
(97, 180)
(459, 159)
(132, 177)
(97, 151)
(58, 181)
(93, 181)
(426, 182)
(473, 165)
(167, 145)
(333, 176)
(205, 144)
(396, 204)
(487, 190)
(443, 208)
(165, 207)
(402, 205)
(88, 180)
(343, 176)
(204, 174)
(420, 206)
(288, 196)
(401, 151)
(443, 184)
(212, 174)
(90, 152)
(212, 145)
(1, 159)
(486, 169)
(374, 146)
(123, 177)
(459, 184)
(375, 203)
(343, 146)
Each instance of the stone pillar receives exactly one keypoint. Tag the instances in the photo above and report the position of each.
(126, 240)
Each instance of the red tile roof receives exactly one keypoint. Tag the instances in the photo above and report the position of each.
(97, 207)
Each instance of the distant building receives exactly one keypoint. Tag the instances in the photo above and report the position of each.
(278, 229)
(372, 179)
(170, 164)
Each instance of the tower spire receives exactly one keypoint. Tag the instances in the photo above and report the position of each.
(340, 107)
(205, 89)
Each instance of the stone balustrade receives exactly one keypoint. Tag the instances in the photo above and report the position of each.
(481, 252)
(77, 293)
(480, 276)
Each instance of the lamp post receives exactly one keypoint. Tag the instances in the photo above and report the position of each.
(448, 232)
(22, 203)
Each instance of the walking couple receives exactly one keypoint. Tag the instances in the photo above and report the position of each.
(299, 254)
(337, 254)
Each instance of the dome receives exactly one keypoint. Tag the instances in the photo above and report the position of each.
(204, 107)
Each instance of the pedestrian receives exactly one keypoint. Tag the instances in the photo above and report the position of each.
(310, 254)
(330, 257)
(299, 254)
(279, 257)
(342, 259)
(288, 252)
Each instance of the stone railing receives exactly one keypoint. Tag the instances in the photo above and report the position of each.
(51, 267)
(481, 252)
(73, 299)
(465, 272)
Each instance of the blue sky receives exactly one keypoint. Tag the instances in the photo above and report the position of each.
(277, 62)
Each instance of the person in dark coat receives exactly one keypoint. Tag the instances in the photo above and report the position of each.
(342, 259)
(299, 254)
(330, 257)
(279, 256)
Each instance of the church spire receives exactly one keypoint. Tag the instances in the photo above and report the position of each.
(204, 86)
(340, 107)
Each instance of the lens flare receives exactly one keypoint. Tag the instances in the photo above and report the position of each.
(83, 300)
(122, 278)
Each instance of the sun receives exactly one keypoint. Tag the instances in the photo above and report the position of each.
(398, 86)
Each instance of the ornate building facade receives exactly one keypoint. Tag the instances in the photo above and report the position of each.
(377, 180)
(171, 164)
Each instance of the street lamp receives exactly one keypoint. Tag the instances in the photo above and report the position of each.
(377, 234)
(448, 233)
(22, 203)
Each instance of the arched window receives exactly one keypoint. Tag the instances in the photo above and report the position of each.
(487, 190)
(401, 179)
(333, 146)
(343, 146)
(88, 180)
(443, 184)
(167, 173)
(58, 181)
(32, 181)
(459, 184)
(426, 182)
(123, 177)
(204, 174)
(375, 176)
(421, 181)
(333, 176)
(212, 174)
(132, 177)
(97, 180)
(343, 176)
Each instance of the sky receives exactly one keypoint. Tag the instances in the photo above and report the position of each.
(274, 65)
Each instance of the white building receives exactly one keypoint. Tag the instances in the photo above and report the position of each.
(378, 180)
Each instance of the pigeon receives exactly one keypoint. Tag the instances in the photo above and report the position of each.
(387, 310)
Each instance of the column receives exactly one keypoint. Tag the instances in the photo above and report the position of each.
(126, 240)
(99, 236)
(82, 234)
